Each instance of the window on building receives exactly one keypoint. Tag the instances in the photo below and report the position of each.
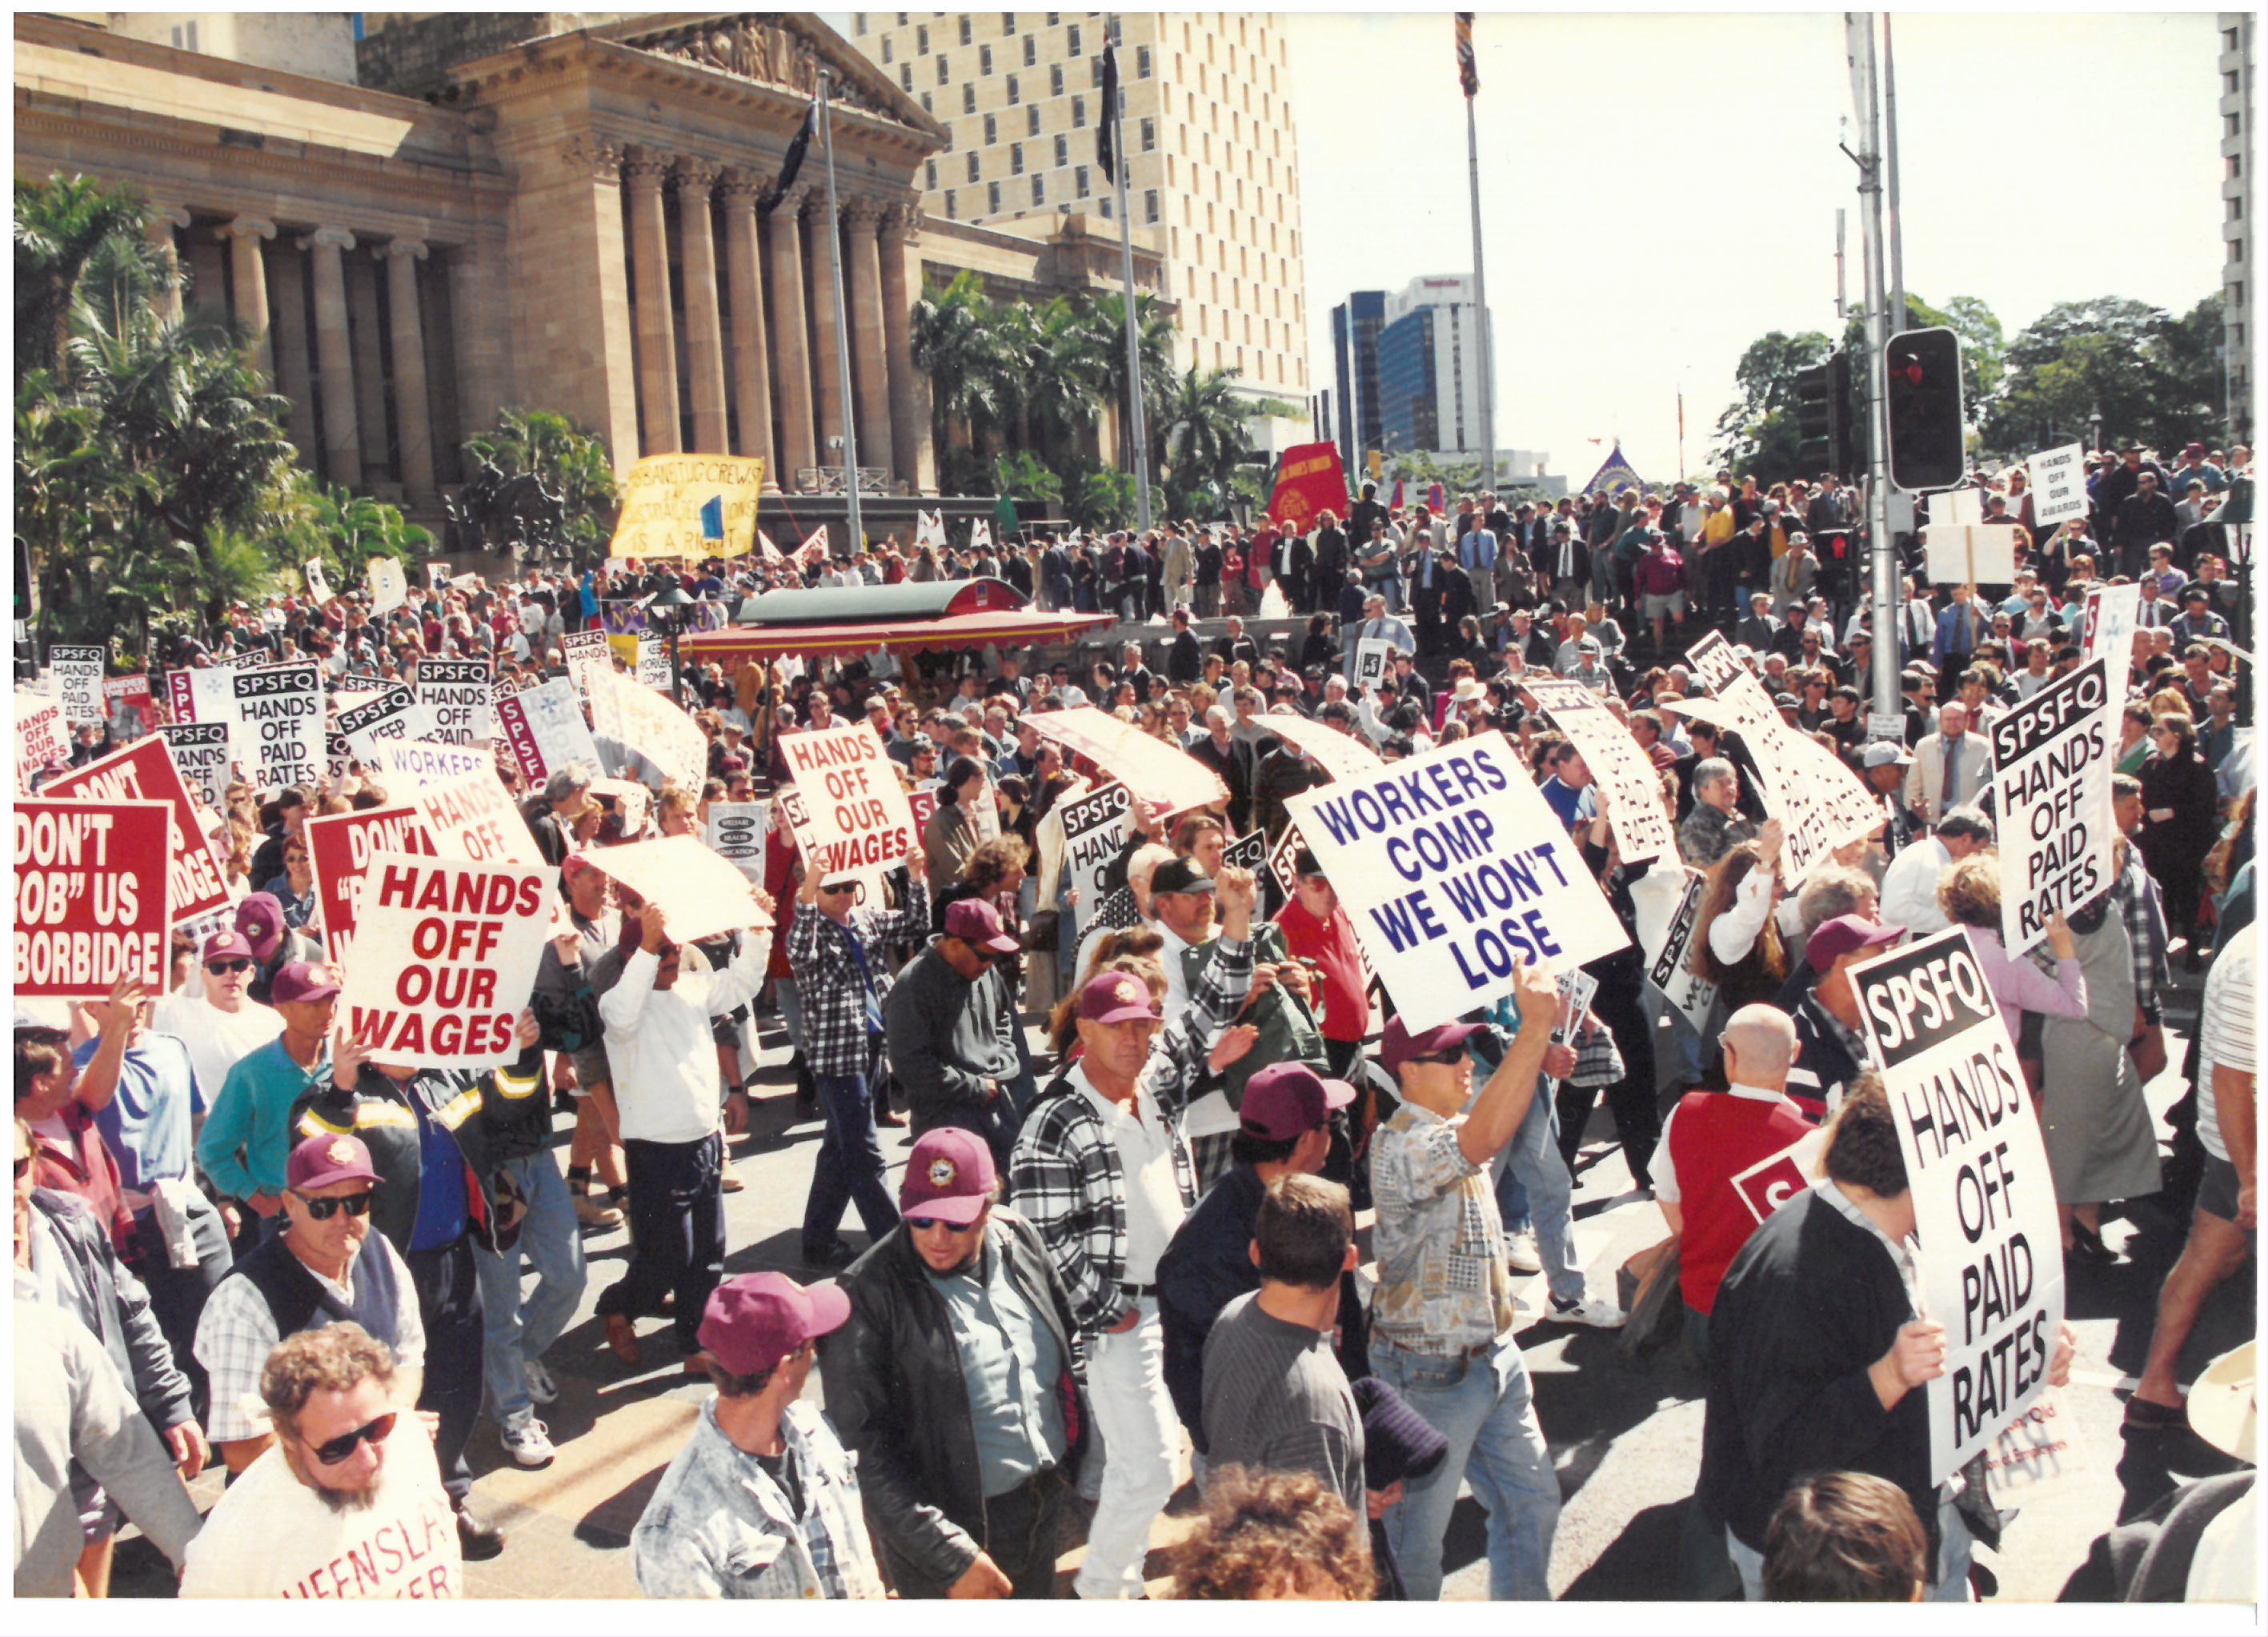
(1106, 207)
(1096, 77)
(901, 18)
(2228, 40)
(969, 96)
(1007, 22)
(1031, 50)
(886, 48)
(2236, 165)
(921, 41)
(926, 108)
(1141, 63)
(1077, 112)
(1054, 18)
(2233, 81)
(983, 59)
(1071, 38)
(1063, 152)
(967, 31)
(857, 22)
(991, 131)
(930, 181)
(951, 209)
(1015, 159)
(992, 198)
(905, 77)
(2236, 208)
(1149, 208)
(1055, 79)
(1149, 136)
(1039, 190)
(1016, 95)
(2231, 124)
(943, 74)
(185, 36)
(1032, 120)
(1078, 180)
(975, 159)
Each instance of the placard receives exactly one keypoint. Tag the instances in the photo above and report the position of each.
(1371, 655)
(1342, 755)
(388, 586)
(1626, 775)
(586, 651)
(457, 700)
(128, 708)
(391, 715)
(689, 505)
(41, 738)
(448, 956)
(181, 696)
(1094, 835)
(405, 765)
(859, 822)
(1283, 868)
(2052, 765)
(281, 710)
(201, 750)
(2058, 485)
(1454, 869)
(652, 667)
(89, 897)
(144, 772)
(319, 581)
(473, 817)
(1969, 553)
(340, 847)
(703, 892)
(646, 724)
(1984, 1203)
(1165, 774)
(1712, 660)
(1669, 954)
(78, 680)
(736, 834)
(544, 728)
(2112, 613)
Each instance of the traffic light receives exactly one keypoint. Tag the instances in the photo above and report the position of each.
(1922, 368)
(1822, 418)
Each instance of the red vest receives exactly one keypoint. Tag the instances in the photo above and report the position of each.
(1714, 1138)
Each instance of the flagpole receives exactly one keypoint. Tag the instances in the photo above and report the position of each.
(1480, 274)
(1138, 443)
(842, 323)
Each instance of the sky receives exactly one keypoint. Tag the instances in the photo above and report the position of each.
(1659, 190)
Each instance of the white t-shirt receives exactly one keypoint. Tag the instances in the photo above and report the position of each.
(1153, 1195)
(217, 1040)
(273, 1537)
(2224, 1034)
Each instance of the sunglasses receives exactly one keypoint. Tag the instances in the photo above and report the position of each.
(323, 1210)
(922, 1224)
(843, 890)
(345, 1444)
(227, 968)
(1445, 1059)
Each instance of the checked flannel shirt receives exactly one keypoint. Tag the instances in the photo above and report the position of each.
(827, 979)
(1066, 1175)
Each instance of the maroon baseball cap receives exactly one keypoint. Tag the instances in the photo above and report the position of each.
(226, 946)
(975, 921)
(1115, 997)
(753, 1322)
(260, 919)
(320, 1161)
(1287, 1100)
(1400, 1046)
(1841, 935)
(949, 1176)
(303, 981)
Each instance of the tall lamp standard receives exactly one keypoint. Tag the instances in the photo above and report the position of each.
(2094, 431)
(672, 598)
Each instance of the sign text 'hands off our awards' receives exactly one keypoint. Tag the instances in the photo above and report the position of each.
(2051, 775)
(1984, 1203)
(91, 902)
(445, 954)
(1454, 869)
(860, 824)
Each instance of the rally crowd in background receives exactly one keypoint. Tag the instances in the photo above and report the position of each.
(239, 1240)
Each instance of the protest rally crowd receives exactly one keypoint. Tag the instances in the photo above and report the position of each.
(1248, 1071)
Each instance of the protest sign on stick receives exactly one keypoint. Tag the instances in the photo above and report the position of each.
(391, 715)
(145, 772)
(652, 663)
(2112, 613)
(544, 728)
(1165, 774)
(1371, 654)
(1983, 1204)
(319, 581)
(388, 586)
(281, 707)
(446, 953)
(457, 701)
(1094, 835)
(340, 847)
(2052, 766)
(413, 764)
(128, 708)
(736, 834)
(201, 750)
(474, 818)
(42, 737)
(1668, 952)
(2058, 485)
(91, 903)
(701, 891)
(1454, 869)
(647, 725)
(859, 822)
(1713, 661)
(1628, 783)
(586, 651)
(78, 680)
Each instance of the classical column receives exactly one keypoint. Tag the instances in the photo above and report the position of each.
(413, 407)
(910, 400)
(287, 322)
(570, 285)
(363, 323)
(657, 331)
(247, 277)
(872, 387)
(334, 356)
(159, 225)
(826, 373)
(790, 338)
(705, 325)
(752, 392)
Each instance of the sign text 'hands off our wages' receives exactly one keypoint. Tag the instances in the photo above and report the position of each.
(1984, 1203)
(1454, 869)
(91, 903)
(860, 822)
(446, 953)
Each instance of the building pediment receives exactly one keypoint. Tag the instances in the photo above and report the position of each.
(782, 50)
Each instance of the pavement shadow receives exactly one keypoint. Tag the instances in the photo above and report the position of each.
(608, 1523)
(1640, 1565)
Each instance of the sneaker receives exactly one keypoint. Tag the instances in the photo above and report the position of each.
(589, 1213)
(1520, 1252)
(527, 1441)
(1594, 1310)
(540, 1387)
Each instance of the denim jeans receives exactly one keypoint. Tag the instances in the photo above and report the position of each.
(1484, 1408)
(523, 1327)
(1531, 1167)
(790, 1009)
(849, 1166)
(1953, 1555)
(677, 1232)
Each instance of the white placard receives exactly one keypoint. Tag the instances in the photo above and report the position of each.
(41, 738)
(407, 765)
(78, 680)
(2113, 611)
(2052, 765)
(1969, 553)
(1626, 777)
(859, 822)
(1668, 952)
(391, 714)
(459, 700)
(2058, 485)
(1342, 755)
(736, 834)
(647, 724)
(319, 581)
(473, 817)
(702, 892)
(444, 956)
(1454, 869)
(544, 730)
(1164, 775)
(1371, 655)
(1984, 1203)
(585, 652)
(652, 663)
(201, 751)
(281, 708)
(1094, 835)
(388, 586)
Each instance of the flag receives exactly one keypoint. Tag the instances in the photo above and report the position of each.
(1108, 122)
(980, 536)
(1395, 504)
(1468, 71)
(791, 161)
(1003, 517)
(764, 544)
(1438, 498)
(930, 529)
(812, 552)
(712, 519)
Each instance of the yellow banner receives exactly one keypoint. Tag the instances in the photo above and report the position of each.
(691, 506)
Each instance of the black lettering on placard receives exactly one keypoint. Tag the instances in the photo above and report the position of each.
(373, 711)
(453, 673)
(1922, 996)
(275, 681)
(1678, 941)
(2048, 713)
(1249, 851)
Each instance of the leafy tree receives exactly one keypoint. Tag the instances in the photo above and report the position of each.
(1021, 477)
(342, 530)
(1204, 420)
(59, 226)
(1757, 434)
(570, 463)
(2154, 379)
(1096, 497)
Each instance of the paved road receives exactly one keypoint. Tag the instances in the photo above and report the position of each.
(1625, 1436)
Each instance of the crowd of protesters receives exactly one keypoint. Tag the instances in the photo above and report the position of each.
(1225, 1214)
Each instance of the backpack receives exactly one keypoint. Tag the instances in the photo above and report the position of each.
(1288, 1030)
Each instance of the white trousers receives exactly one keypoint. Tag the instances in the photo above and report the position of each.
(1126, 1385)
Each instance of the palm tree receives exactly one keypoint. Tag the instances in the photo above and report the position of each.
(1062, 375)
(956, 343)
(59, 226)
(1202, 422)
(1105, 320)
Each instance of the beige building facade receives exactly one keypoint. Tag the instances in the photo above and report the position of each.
(1212, 181)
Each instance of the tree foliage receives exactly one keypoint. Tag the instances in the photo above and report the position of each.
(2155, 380)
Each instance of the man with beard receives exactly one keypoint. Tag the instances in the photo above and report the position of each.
(347, 1503)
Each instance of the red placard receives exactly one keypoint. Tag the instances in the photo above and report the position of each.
(339, 847)
(145, 771)
(135, 691)
(90, 896)
(1309, 478)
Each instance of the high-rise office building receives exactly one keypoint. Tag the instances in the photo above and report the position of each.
(1212, 181)
(1354, 356)
(1430, 356)
(2236, 276)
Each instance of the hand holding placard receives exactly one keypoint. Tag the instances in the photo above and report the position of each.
(1915, 1359)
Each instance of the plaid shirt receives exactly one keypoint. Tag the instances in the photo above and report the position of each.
(827, 979)
(2144, 912)
(1065, 1174)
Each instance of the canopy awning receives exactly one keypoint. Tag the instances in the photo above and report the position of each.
(1012, 628)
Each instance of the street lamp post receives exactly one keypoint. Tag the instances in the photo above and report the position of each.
(2094, 431)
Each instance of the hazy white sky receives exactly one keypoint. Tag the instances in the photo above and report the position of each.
(1659, 190)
